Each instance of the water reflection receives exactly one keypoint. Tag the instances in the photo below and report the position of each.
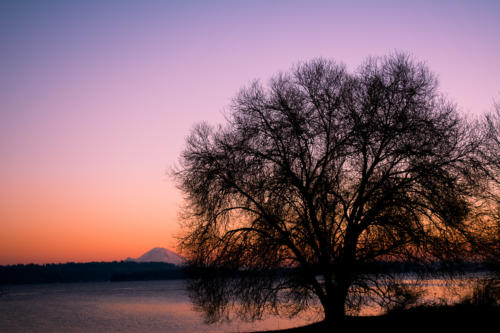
(433, 292)
(129, 307)
(150, 306)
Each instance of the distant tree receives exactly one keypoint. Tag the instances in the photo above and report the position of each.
(322, 172)
(492, 148)
(491, 154)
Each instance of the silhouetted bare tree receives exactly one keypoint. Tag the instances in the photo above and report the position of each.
(322, 172)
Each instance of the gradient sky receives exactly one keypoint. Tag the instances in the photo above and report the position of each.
(97, 98)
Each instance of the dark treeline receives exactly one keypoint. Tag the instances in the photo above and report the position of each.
(133, 271)
(86, 272)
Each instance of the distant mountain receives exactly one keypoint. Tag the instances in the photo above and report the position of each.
(160, 254)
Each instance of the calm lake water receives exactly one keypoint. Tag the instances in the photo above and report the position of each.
(142, 306)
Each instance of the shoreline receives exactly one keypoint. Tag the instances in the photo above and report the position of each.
(429, 318)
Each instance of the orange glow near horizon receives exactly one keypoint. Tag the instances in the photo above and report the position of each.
(61, 226)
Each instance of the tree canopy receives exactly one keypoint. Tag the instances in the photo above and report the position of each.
(323, 171)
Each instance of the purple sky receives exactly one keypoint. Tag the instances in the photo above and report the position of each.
(97, 98)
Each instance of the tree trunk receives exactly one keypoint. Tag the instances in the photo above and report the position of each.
(334, 308)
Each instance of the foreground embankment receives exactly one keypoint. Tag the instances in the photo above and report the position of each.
(425, 319)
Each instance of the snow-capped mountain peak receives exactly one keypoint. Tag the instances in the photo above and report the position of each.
(160, 254)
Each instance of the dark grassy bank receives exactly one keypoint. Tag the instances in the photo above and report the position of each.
(457, 318)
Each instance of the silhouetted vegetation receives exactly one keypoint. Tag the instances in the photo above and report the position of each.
(326, 172)
(85, 272)
(491, 153)
(455, 318)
